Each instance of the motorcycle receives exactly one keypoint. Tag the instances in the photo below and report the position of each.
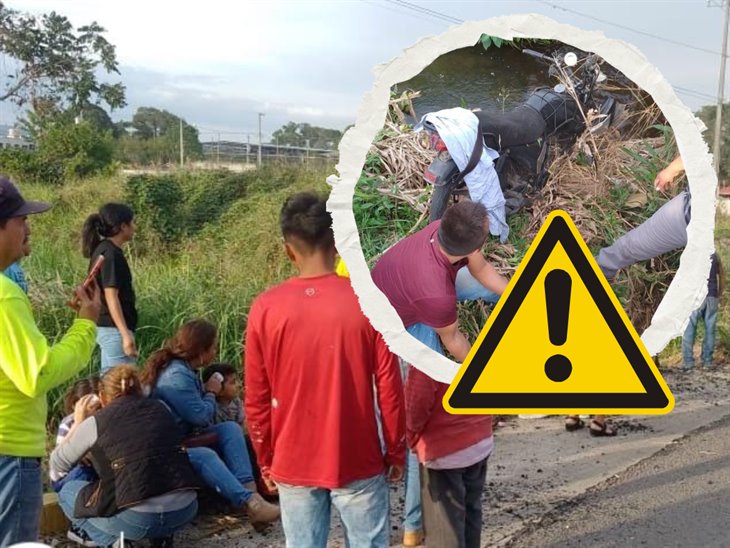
(525, 137)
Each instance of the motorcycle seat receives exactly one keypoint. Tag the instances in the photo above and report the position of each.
(520, 126)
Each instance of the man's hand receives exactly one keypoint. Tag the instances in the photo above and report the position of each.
(87, 301)
(395, 473)
(666, 176)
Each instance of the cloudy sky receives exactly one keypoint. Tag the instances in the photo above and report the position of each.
(217, 63)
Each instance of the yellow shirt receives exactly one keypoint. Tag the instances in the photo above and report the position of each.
(29, 368)
(341, 269)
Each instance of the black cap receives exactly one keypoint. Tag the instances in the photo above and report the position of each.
(12, 204)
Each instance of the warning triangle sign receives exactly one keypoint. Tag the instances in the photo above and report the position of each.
(558, 341)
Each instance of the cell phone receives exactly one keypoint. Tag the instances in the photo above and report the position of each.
(93, 272)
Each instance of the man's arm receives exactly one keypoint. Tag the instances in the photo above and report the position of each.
(421, 400)
(454, 341)
(486, 274)
(666, 176)
(391, 402)
(258, 395)
(26, 358)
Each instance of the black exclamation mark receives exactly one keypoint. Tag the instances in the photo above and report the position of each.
(557, 300)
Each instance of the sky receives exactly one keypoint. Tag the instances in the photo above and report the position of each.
(219, 63)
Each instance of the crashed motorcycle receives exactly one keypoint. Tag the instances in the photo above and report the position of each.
(526, 137)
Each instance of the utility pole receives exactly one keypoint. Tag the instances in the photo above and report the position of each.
(248, 147)
(716, 149)
(182, 150)
(218, 150)
(261, 115)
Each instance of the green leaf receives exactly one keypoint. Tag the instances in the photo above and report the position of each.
(486, 41)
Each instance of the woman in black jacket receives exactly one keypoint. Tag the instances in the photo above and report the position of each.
(146, 486)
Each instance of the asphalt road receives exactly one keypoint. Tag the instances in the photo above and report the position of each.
(678, 497)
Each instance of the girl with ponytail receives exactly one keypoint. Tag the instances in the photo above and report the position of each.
(105, 233)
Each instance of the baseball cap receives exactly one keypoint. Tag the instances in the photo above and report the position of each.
(12, 203)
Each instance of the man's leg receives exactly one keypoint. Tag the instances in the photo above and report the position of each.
(468, 288)
(21, 499)
(444, 512)
(688, 339)
(708, 345)
(364, 509)
(413, 519)
(661, 233)
(474, 477)
(305, 515)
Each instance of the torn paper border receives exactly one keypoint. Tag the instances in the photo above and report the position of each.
(689, 286)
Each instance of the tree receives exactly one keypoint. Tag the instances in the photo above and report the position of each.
(56, 66)
(156, 138)
(297, 135)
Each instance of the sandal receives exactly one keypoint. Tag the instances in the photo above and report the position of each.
(573, 423)
(598, 429)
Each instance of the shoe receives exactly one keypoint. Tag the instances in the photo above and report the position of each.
(260, 511)
(573, 423)
(598, 429)
(162, 542)
(251, 486)
(413, 538)
(708, 365)
(687, 367)
(79, 536)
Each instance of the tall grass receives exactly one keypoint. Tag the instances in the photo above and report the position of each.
(213, 275)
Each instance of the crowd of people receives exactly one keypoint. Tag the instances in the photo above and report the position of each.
(327, 416)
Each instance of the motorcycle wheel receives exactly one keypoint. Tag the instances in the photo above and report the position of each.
(440, 201)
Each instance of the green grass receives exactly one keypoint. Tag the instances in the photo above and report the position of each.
(214, 275)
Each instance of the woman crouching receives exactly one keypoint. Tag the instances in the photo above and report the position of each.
(147, 485)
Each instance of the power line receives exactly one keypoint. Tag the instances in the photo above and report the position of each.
(426, 11)
(624, 27)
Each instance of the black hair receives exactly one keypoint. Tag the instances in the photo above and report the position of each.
(304, 218)
(224, 369)
(106, 223)
(464, 228)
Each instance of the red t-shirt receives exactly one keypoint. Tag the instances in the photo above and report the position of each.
(419, 280)
(312, 360)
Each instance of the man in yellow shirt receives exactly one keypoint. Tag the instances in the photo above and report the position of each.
(29, 368)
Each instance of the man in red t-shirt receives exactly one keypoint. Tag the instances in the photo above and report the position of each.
(423, 276)
(313, 365)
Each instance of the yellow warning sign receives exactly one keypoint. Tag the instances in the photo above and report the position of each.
(558, 341)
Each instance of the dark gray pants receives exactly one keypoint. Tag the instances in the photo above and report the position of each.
(452, 505)
(661, 233)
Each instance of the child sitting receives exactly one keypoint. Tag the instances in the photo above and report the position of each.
(230, 408)
(80, 400)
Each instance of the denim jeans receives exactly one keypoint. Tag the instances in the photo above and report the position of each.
(363, 507)
(468, 288)
(109, 340)
(227, 466)
(661, 233)
(21, 499)
(707, 312)
(134, 525)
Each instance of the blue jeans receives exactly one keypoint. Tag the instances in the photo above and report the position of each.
(226, 468)
(21, 499)
(363, 507)
(109, 340)
(467, 289)
(134, 525)
(707, 312)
